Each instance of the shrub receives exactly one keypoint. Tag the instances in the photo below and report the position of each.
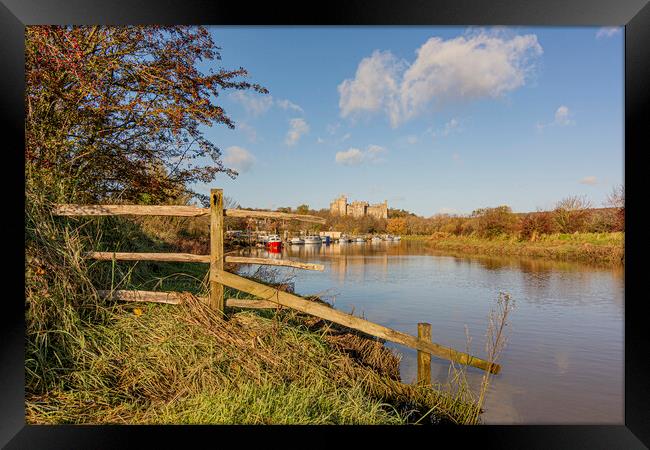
(603, 221)
(453, 226)
(572, 214)
(616, 200)
(491, 222)
(533, 225)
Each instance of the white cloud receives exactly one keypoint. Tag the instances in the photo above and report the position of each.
(254, 104)
(258, 104)
(481, 65)
(446, 210)
(375, 153)
(562, 118)
(350, 157)
(286, 104)
(375, 86)
(591, 180)
(297, 128)
(238, 158)
(412, 139)
(456, 157)
(353, 156)
(320, 140)
(606, 32)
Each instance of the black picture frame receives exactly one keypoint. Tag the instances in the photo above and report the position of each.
(633, 14)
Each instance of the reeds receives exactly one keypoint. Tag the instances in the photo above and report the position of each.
(496, 340)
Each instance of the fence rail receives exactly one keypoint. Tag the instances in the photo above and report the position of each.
(174, 210)
(175, 298)
(190, 257)
(325, 312)
(268, 297)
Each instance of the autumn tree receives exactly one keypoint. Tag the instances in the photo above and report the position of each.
(572, 213)
(302, 209)
(118, 111)
(616, 200)
(535, 224)
(490, 222)
(396, 225)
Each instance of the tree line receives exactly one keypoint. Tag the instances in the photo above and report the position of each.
(569, 215)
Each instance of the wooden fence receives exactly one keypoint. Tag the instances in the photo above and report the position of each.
(268, 297)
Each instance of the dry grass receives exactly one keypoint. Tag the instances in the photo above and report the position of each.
(186, 364)
(93, 361)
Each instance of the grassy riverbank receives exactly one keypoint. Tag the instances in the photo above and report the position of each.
(608, 248)
(90, 361)
(168, 364)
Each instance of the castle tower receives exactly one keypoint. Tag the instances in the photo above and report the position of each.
(338, 207)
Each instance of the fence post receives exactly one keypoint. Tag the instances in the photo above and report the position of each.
(424, 358)
(216, 247)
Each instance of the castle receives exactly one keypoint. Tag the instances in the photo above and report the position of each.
(340, 207)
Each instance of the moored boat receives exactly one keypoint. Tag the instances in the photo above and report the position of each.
(274, 242)
(297, 241)
(312, 239)
(359, 239)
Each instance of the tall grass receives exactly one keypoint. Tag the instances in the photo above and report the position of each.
(90, 360)
(496, 339)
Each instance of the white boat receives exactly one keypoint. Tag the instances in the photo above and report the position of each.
(359, 239)
(376, 239)
(388, 237)
(313, 239)
(297, 241)
(397, 238)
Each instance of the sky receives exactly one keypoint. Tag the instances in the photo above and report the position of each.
(431, 119)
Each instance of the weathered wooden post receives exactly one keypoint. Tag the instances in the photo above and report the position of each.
(216, 248)
(424, 358)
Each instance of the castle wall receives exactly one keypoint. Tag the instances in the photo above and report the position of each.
(340, 207)
(379, 211)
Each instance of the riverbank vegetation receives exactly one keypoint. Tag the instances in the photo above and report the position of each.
(573, 230)
(587, 247)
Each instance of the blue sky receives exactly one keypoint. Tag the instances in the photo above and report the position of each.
(432, 119)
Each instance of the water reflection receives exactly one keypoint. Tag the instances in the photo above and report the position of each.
(564, 360)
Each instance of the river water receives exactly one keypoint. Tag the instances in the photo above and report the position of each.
(563, 362)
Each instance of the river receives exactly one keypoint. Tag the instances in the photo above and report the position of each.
(563, 362)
